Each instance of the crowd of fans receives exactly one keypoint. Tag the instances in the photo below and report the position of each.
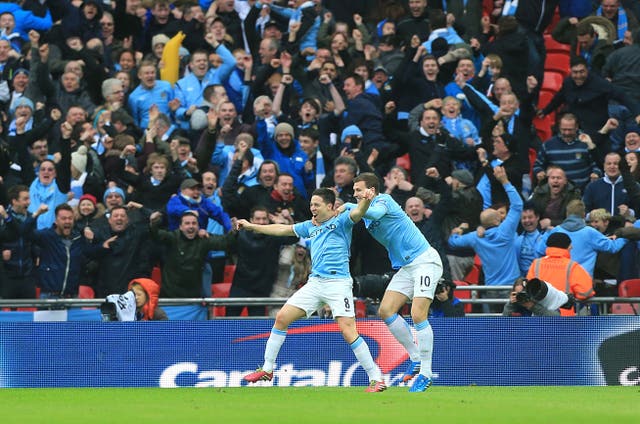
(109, 167)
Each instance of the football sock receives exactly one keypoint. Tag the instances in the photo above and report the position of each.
(276, 338)
(361, 350)
(402, 332)
(425, 345)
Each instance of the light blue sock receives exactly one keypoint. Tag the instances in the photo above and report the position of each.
(363, 354)
(402, 332)
(425, 346)
(276, 338)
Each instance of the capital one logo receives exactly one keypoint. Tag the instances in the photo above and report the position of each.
(620, 359)
(391, 354)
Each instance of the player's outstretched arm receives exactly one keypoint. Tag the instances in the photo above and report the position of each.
(270, 230)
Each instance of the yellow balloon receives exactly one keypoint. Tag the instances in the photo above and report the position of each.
(171, 59)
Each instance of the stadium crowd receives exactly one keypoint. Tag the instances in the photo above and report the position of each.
(135, 132)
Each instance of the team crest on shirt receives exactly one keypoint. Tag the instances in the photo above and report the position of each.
(578, 155)
(163, 94)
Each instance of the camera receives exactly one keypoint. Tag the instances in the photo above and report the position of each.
(372, 286)
(355, 142)
(108, 311)
(523, 297)
(548, 296)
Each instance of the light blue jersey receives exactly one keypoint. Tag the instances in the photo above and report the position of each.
(330, 245)
(392, 228)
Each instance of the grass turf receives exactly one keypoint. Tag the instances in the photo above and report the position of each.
(327, 405)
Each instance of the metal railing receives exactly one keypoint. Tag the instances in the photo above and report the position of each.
(279, 301)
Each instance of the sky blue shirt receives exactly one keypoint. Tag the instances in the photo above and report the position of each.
(391, 227)
(141, 99)
(330, 245)
(496, 249)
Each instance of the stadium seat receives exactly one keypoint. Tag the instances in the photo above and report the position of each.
(627, 288)
(552, 81)
(464, 294)
(474, 276)
(229, 270)
(156, 275)
(220, 290)
(554, 21)
(558, 62)
(543, 127)
(625, 309)
(532, 159)
(86, 292)
(404, 161)
(553, 46)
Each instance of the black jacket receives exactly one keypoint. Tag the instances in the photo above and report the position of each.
(256, 268)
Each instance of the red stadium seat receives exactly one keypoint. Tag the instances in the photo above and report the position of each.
(553, 46)
(554, 21)
(532, 159)
(220, 290)
(558, 62)
(156, 275)
(552, 81)
(475, 274)
(627, 288)
(544, 127)
(625, 309)
(404, 161)
(464, 294)
(229, 270)
(86, 292)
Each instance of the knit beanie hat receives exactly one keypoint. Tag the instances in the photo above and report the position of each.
(560, 240)
(116, 190)
(463, 176)
(198, 120)
(88, 197)
(350, 131)
(79, 159)
(283, 127)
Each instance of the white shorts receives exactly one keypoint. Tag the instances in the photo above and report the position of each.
(420, 277)
(335, 292)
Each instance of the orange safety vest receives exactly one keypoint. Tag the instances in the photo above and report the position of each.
(561, 272)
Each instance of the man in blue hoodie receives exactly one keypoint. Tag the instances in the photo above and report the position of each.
(587, 242)
(495, 248)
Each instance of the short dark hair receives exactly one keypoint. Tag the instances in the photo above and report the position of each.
(189, 213)
(310, 132)
(269, 162)
(258, 208)
(370, 180)
(585, 28)
(437, 111)
(14, 191)
(530, 206)
(119, 207)
(357, 79)
(63, 207)
(577, 61)
(328, 196)
(284, 174)
(346, 160)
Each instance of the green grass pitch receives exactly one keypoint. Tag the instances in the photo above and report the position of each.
(327, 405)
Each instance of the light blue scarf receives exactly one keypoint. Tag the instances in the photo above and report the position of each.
(622, 22)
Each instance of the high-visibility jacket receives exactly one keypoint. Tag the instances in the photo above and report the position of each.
(561, 272)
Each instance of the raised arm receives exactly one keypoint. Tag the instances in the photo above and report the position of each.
(358, 212)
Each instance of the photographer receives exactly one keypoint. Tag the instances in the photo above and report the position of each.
(522, 305)
(445, 304)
